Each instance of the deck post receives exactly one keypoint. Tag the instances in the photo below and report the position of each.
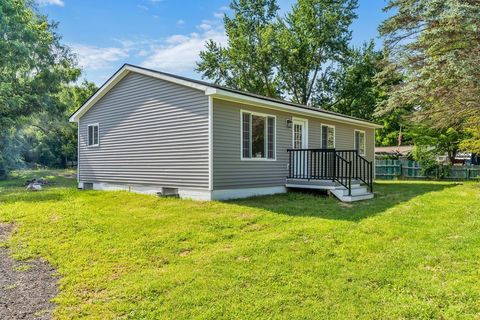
(334, 173)
(350, 178)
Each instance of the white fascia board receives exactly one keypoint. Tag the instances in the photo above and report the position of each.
(257, 102)
(168, 78)
(119, 75)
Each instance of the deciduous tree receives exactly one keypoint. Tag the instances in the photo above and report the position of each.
(33, 67)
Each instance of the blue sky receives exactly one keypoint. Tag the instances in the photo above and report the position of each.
(166, 35)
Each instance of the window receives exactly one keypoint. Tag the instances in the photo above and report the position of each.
(258, 136)
(328, 137)
(360, 142)
(92, 135)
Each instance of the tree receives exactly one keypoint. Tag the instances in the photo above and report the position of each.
(352, 89)
(33, 63)
(435, 45)
(472, 142)
(279, 57)
(395, 130)
(48, 138)
(248, 62)
(33, 66)
(438, 141)
(312, 38)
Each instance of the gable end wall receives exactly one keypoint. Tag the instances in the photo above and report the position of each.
(152, 133)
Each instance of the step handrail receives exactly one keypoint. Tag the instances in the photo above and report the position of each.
(343, 172)
(367, 178)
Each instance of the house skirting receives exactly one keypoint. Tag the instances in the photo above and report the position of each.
(186, 193)
(246, 192)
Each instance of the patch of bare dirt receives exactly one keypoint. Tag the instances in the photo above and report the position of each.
(26, 287)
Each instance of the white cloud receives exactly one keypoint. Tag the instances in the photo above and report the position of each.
(50, 2)
(180, 23)
(205, 26)
(179, 52)
(177, 38)
(141, 6)
(218, 15)
(94, 58)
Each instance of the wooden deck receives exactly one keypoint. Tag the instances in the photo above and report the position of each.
(344, 173)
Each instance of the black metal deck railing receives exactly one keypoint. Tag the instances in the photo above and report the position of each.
(340, 166)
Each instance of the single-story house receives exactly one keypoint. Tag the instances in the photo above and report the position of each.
(153, 132)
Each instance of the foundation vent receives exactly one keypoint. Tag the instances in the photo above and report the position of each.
(168, 192)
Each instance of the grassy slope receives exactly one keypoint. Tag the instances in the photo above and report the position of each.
(413, 252)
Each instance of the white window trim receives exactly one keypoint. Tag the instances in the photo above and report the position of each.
(334, 134)
(364, 142)
(97, 144)
(242, 111)
(306, 130)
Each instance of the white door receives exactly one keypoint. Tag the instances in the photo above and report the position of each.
(300, 141)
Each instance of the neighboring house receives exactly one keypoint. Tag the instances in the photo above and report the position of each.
(393, 151)
(152, 132)
(404, 152)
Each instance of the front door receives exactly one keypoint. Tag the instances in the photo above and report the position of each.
(300, 141)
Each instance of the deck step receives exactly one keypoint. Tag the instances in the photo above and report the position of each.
(356, 190)
(359, 191)
(342, 194)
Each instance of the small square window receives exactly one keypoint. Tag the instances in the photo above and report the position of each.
(93, 135)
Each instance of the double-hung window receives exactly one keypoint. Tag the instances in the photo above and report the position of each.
(93, 135)
(258, 136)
(328, 137)
(360, 142)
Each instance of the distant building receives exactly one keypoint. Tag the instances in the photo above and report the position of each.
(393, 151)
(462, 158)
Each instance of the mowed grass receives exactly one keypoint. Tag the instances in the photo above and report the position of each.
(413, 252)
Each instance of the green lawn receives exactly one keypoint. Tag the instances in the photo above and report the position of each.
(412, 252)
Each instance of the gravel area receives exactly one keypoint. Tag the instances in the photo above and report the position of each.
(26, 287)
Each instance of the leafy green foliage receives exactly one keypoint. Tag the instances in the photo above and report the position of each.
(279, 57)
(437, 141)
(352, 89)
(33, 63)
(48, 138)
(410, 253)
(312, 37)
(34, 66)
(426, 157)
(248, 62)
(472, 140)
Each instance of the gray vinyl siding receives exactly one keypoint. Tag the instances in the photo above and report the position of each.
(230, 172)
(152, 132)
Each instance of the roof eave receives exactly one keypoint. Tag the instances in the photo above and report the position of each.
(235, 97)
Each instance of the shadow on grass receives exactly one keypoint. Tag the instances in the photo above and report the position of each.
(318, 204)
